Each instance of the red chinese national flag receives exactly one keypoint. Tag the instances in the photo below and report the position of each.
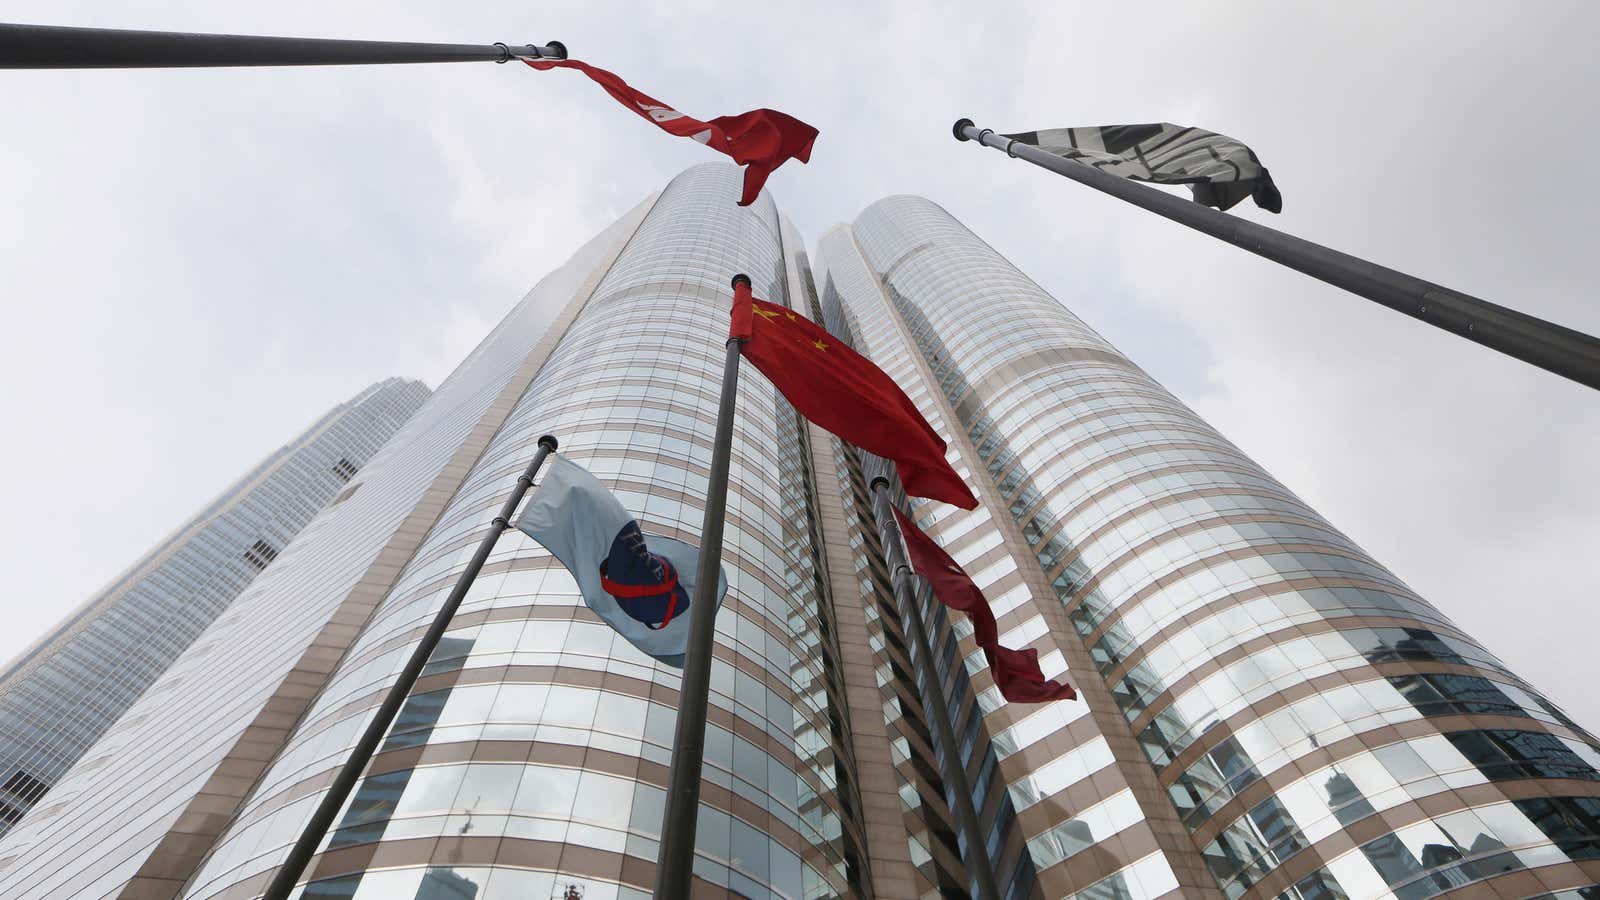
(841, 390)
(1016, 672)
(761, 140)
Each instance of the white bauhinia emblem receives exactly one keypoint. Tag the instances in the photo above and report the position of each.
(660, 113)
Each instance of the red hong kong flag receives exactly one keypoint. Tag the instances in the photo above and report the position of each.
(761, 140)
(842, 391)
(1016, 672)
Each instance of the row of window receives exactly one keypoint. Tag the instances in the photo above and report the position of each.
(1363, 784)
(1442, 854)
(1271, 670)
(1100, 497)
(1260, 748)
(664, 273)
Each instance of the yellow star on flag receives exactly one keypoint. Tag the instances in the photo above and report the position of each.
(766, 313)
(819, 344)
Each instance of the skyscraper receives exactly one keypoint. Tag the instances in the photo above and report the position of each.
(63, 692)
(1265, 711)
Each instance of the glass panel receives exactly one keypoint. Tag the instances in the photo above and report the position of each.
(547, 791)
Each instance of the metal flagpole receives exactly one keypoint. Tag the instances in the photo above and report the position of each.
(55, 47)
(954, 774)
(1568, 353)
(289, 873)
(675, 857)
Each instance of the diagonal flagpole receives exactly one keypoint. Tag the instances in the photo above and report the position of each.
(56, 47)
(305, 847)
(980, 868)
(1554, 348)
(675, 856)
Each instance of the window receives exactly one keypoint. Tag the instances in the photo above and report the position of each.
(25, 786)
(345, 469)
(260, 554)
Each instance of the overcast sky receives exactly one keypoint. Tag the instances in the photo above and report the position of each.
(196, 264)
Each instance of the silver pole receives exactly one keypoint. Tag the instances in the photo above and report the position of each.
(1554, 348)
(675, 855)
(300, 854)
(56, 47)
(979, 867)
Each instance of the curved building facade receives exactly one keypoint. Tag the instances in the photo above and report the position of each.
(1264, 711)
(169, 787)
(535, 749)
(1268, 712)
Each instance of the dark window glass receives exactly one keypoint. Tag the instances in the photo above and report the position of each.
(1277, 827)
(1320, 885)
(1393, 860)
(1478, 747)
(260, 554)
(25, 786)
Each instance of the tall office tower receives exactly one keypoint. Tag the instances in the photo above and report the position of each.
(534, 749)
(62, 693)
(1265, 711)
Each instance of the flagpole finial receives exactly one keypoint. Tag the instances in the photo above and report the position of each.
(552, 50)
(741, 277)
(549, 440)
(960, 129)
(877, 480)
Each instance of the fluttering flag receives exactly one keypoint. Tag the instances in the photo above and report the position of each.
(1218, 169)
(761, 140)
(1016, 672)
(641, 585)
(841, 390)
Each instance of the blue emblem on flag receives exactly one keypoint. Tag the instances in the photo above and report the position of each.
(640, 584)
(644, 584)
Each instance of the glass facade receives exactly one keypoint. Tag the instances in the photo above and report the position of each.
(935, 843)
(1265, 711)
(1312, 727)
(538, 734)
(139, 813)
(60, 695)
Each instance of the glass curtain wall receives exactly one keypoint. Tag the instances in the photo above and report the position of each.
(1288, 692)
(534, 751)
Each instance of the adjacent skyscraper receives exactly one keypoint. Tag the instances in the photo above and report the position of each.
(1265, 711)
(64, 692)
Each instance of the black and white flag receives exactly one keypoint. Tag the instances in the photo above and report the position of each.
(1220, 170)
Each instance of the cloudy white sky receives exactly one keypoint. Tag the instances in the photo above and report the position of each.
(195, 264)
